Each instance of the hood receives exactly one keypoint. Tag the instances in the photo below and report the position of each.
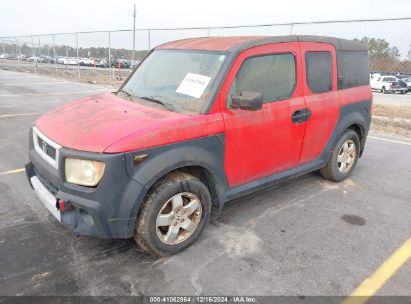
(107, 123)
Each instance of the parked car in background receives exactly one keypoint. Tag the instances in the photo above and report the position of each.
(46, 59)
(134, 63)
(120, 63)
(34, 59)
(402, 84)
(101, 63)
(4, 56)
(92, 62)
(86, 62)
(407, 82)
(71, 61)
(374, 75)
(387, 84)
(60, 59)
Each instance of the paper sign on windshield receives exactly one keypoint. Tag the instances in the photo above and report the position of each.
(193, 85)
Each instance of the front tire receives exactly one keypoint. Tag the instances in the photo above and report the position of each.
(344, 157)
(173, 215)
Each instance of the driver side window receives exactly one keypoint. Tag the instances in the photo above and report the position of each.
(272, 75)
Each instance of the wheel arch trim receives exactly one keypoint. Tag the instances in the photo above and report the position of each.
(206, 153)
(356, 114)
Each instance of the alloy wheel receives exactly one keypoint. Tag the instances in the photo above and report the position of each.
(346, 156)
(178, 218)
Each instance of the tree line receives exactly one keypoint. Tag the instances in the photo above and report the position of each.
(386, 58)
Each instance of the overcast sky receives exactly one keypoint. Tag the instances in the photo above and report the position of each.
(47, 16)
(54, 16)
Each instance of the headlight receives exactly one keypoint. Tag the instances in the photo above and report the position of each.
(84, 172)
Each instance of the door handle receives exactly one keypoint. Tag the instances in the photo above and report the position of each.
(300, 116)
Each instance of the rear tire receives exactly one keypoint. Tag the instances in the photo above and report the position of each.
(344, 157)
(173, 215)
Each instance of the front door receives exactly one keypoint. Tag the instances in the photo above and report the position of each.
(263, 142)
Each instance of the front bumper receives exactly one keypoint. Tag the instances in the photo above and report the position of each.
(48, 200)
(83, 217)
(104, 211)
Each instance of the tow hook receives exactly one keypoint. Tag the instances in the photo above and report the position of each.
(62, 205)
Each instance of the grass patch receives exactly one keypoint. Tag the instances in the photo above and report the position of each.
(393, 119)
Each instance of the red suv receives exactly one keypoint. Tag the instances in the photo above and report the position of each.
(198, 123)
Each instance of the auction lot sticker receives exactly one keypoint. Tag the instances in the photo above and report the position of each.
(193, 85)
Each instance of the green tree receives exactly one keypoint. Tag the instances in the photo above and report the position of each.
(395, 52)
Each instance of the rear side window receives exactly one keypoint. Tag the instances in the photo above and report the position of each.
(353, 69)
(319, 71)
(272, 75)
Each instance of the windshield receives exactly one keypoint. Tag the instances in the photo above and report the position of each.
(180, 80)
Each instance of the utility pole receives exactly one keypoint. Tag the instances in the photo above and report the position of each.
(134, 34)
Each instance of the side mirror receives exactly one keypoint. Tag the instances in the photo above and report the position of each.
(250, 101)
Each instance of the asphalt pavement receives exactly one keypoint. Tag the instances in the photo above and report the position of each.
(392, 99)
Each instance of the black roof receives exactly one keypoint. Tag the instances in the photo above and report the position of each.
(339, 43)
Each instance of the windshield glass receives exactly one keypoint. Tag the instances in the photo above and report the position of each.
(180, 80)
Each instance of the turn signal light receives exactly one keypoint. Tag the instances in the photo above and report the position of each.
(138, 159)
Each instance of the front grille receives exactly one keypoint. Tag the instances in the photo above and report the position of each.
(49, 150)
(46, 148)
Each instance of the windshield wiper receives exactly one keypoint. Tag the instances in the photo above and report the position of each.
(129, 96)
(151, 98)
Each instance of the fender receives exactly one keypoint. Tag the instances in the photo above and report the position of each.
(206, 152)
(358, 114)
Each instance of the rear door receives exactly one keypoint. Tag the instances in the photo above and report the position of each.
(321, 97)
(263, 142)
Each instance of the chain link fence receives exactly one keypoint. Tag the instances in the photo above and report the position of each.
(107, 57)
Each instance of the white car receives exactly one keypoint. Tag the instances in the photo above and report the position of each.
(387, 84)
(374, 75)
(85, 61)
(61, 60)
(34, 59)
(71, 61)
